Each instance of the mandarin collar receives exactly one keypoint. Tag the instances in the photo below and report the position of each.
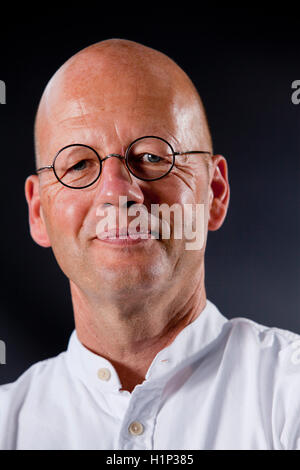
(97, 372)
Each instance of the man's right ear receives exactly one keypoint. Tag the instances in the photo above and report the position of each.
(36, 219)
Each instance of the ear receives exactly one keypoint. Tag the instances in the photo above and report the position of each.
(219, 193)
(36, 219)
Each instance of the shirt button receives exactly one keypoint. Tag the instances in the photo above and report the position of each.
(104, 374)
(136, 428)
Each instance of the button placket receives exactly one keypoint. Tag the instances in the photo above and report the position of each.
(139, 421)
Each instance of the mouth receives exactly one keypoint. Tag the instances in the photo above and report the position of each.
(123, 236)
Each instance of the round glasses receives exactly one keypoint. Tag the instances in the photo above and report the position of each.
(148, 158)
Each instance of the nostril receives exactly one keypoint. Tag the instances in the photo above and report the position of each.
(130, 203)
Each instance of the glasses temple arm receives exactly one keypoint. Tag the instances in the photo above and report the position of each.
(192, 151)
(44, 168)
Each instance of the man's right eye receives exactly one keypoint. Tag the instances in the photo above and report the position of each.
(78, 166)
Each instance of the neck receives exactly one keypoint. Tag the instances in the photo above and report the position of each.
(130, 334)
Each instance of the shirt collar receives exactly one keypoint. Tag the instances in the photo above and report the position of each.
(187, 347)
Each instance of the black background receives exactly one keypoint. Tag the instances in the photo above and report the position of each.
(243, 62)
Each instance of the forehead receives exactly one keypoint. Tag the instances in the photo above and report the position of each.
(115, 103)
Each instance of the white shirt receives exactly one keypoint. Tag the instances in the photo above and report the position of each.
(221, 384)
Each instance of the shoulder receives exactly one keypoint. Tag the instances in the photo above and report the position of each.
(32, 387)
(270, 357)
(266, 338)
(35, 374)
(255, 341)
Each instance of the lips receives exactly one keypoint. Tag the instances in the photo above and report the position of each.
(124, 234)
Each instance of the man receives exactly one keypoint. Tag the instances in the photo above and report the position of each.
(152, 363)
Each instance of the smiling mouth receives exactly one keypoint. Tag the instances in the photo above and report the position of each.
(126, 237)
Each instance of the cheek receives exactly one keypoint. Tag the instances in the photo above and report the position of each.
(193, 196)
(64, 215)
(185, 190)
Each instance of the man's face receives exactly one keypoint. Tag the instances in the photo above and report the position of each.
(108, 114)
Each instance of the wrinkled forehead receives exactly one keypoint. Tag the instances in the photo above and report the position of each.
(132, 96)
(101, 91)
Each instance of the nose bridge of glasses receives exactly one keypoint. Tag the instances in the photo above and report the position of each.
(117, 155)
(121, 158)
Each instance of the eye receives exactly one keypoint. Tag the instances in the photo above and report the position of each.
(150, 158)
(79, 166)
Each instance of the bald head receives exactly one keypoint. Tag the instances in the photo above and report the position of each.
(112, 74)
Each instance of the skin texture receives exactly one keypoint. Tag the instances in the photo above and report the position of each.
(129, 302)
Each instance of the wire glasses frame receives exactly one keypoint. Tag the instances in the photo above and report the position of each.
(121, 157)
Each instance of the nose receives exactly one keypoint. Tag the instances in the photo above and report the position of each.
(115, 181)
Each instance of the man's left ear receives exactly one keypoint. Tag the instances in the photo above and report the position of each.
(219, 192)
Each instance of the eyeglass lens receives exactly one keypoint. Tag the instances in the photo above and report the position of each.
(150, 158)
(147, 158)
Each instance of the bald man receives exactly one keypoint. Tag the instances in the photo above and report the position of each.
(152, 363)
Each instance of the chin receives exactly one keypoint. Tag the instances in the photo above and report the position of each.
(125, 278)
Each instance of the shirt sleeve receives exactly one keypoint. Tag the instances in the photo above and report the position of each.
(286, 404)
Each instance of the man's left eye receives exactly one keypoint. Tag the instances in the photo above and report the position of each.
(151, 158)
